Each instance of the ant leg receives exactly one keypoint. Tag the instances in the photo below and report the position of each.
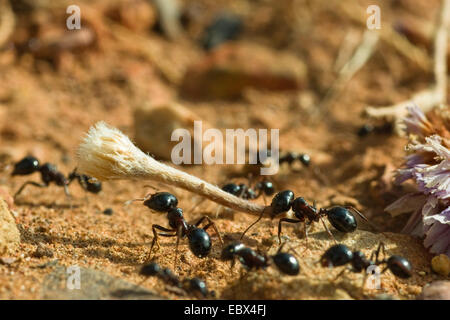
(380, 248)
(218, 211)
(279, 226)
(340, 274)
(68, 195)
(357, 211)
(257, 220)
(328, 230)
(127, 203)
(155, 237)
(305, 231)
(210, 224)
(36, 184)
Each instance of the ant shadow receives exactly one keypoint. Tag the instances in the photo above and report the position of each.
(236, 236)
(244, 288)
(48, 205)
(95, 248)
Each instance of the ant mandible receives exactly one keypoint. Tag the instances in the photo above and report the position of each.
(199, 239)
(250, 259)
(340, 254)
(340, 217)
(195, 286)
(49, 174)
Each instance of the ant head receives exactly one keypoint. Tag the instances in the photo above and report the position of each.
(232, 188)
(267, 187)
(151, 269)
(231, 249)
(281, 202)
(198, 286)
(305, 159)
(161, 202)
(337, 255)
(27, 165)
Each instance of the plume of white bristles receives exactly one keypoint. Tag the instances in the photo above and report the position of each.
(107, 154)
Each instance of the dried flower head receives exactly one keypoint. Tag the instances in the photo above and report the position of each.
(106, 153)
(428, 165)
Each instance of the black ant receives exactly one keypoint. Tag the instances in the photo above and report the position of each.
(195, 286)
(339, 255)
(199, 239)
(250, 259)
(366, 129)
(290, 157)
(49, 174)
(264, 188)
(89, 184)
(340, 217)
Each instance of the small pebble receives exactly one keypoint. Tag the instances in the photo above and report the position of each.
(7, 260)
(437, 290)
(441, 265)
(42, 251)
(108, 211)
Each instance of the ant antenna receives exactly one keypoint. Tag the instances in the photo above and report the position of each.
(257, 220)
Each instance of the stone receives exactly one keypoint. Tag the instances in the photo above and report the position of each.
(77, 283)
(437, 290)
(154, 125)
(9, 234)
(43, 251)
(136, 15)
(441, 265)
(233, 67)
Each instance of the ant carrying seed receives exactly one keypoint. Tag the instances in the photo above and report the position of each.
(195, 286)
(339, 255)
(250, 259)
(49, 174)
(340, 217)
(199, 239)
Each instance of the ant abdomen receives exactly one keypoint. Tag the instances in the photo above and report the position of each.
(399, 266)
(286, 263)
(342, 219)
(199, 242)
